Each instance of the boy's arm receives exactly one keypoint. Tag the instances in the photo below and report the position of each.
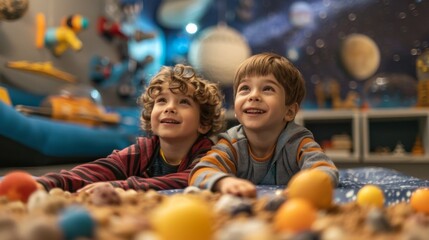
(177, 180)
(113, 167)
(311, 155)
(217, 164)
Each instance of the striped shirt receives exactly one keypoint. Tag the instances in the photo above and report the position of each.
(139, 166)
(295, 150)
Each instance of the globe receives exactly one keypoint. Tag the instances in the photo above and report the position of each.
(12, 9)
(217, 53)
(388, 90)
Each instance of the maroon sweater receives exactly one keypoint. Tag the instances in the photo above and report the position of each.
(129, 168)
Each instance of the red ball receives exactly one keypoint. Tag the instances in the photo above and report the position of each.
(17, 185)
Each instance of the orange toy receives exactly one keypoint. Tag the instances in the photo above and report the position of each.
(295, 215)
(313, 185)
(419, 200)
(370, 195)
(17, 186)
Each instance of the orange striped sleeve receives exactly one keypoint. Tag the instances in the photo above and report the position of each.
(323, 164)
(301, 145)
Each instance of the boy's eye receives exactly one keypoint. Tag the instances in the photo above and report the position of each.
(160, 100)
(268, 88)
(185, 101)
(243, 88)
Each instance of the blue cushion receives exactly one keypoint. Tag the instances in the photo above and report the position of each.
(60, 139)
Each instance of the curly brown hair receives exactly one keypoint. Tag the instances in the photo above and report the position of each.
(283, 70)
(180, 78)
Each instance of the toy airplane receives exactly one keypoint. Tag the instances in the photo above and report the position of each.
(45, 68)
(72, 109)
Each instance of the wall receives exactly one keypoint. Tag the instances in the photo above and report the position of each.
(17, 42)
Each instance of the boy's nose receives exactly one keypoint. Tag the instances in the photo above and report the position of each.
(254, 97)
(169, 109)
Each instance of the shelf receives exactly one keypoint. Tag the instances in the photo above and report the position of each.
(324, 124)
(385, 128)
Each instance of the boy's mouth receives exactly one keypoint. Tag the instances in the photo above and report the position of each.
(254, 111)
(170, 121)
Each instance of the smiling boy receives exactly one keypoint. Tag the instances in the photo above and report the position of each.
(267, 147)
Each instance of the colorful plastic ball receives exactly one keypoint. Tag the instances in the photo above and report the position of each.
(17, 186)
(183, 217)
(370, 195)
(76, 222)
(295, 215)
(314, 185)
(419, 200)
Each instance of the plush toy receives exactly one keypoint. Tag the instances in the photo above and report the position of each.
(59, 39)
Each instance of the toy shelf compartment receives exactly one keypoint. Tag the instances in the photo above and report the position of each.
(324, 124)
(386, 128)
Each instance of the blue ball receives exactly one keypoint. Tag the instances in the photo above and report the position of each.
(76, 222)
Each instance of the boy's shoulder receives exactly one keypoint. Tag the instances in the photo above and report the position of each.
(147, 140)
(294, 132)
(235, 133)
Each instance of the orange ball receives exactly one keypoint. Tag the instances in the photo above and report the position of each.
(183, 217)
(419, 200)
(295, 215)
(370, 195)
(17, 186)
(314, 185)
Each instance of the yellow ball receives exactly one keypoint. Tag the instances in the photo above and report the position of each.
(183, 217)
(419, 200)
(314, 185)
(370, 195)
(295, 215)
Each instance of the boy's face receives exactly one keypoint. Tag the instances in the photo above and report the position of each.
(260, 103)
(176, 116)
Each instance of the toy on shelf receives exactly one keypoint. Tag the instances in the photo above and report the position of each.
(328, 95)
(399, 150)
(418, 148)
(59, 39)
(422, 65)
(44, 68)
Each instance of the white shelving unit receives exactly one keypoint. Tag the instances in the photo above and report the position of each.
(326, 123)
(369, 130)
(387, 127)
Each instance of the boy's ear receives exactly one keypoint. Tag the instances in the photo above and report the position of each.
(204, 129)
(291, 112)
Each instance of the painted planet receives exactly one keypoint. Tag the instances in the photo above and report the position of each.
(301, 14)
(360, 56)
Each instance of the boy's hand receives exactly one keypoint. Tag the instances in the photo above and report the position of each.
(236, 186)
(90, 187)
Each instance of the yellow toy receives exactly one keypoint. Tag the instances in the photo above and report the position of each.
(59, 39)
(45, 68)
(4, 96)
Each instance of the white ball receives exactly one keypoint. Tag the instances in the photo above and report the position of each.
(217, 53)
